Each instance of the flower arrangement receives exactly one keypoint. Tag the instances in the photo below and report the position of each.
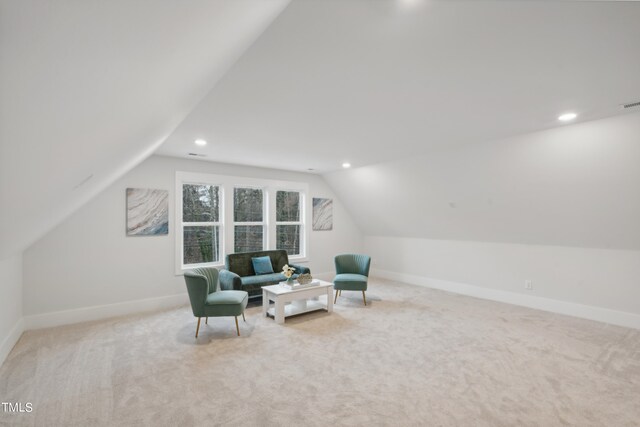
(288, 272)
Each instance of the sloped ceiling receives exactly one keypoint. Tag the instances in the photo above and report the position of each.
(88, 89)
(373, 81)
(577, 185)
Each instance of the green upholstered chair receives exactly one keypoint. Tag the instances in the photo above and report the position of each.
(207, 301)
(352, 273)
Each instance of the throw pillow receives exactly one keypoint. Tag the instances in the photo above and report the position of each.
(262, 265)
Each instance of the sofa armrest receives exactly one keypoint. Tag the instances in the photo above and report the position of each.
(230, 281)
(300, 269)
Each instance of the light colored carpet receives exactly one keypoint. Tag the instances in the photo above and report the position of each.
(414, 356)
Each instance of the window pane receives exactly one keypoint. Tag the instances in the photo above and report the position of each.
(248, 238)
(287, 206)
(201, 244)
(200, 203)
(247, 205)
(288, 238)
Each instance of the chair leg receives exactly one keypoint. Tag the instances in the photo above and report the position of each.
(340, 292)
(237, 327)
(336, 298)
(243, 318)
(206, 320)
(364, 298)
(198, 327)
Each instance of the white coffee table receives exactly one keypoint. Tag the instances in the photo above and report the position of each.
(300, 300)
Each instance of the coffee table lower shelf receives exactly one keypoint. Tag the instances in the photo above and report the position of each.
(298, 307)
(294, 302)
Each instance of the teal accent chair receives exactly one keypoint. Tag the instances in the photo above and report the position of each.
(352, 274)
(207, 301)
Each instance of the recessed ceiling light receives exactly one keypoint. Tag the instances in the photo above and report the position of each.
(201, 142)
(409, 2)
(567, 117)
(346, 165)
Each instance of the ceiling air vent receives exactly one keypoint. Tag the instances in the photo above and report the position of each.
(630, 106)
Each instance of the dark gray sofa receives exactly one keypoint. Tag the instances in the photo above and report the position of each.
(239, 274)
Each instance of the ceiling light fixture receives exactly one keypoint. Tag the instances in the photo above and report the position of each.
(567, 117)
(200, 142)
(409, 2)
(346, 165)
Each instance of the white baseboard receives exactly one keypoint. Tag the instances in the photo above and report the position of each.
(605, 315)
(10, 341)
(98, 312)
(86, 314)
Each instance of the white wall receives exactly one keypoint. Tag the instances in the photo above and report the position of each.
(11, 325)
(560, 207)
(600, 284)
(89, 261)
(575, 185)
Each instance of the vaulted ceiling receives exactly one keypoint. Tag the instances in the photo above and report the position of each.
(372, 81)
(89, 89)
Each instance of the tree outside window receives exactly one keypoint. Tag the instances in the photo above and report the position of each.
(248, 216)
(200, 224)
(288, 221)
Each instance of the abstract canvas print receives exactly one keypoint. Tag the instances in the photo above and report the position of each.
(322, 214)
(147, 212)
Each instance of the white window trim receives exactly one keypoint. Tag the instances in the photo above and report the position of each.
(226, 184)
(197, 180)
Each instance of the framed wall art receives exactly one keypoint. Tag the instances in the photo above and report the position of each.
(322, 214)
(147, 212)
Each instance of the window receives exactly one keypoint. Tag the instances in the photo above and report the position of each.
(219, 214)
(200, 224)
(248, 217)
(288, 221)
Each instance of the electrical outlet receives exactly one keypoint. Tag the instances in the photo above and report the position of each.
(528, 285)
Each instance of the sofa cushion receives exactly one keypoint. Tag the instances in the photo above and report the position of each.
(240, 263)
(262, 280)
(262, 265)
